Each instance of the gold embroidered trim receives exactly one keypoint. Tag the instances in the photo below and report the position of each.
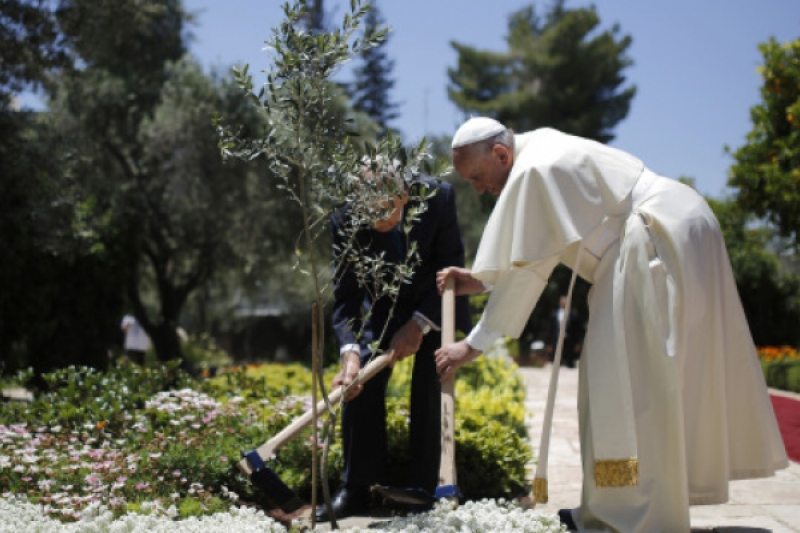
(616, 472)
(540, 490)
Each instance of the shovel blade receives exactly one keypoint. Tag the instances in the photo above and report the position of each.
(277, 493)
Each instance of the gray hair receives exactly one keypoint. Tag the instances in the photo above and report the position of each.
(381, 166)
(378, 179)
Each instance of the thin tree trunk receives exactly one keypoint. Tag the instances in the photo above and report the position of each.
(166, 342)
(314, 416)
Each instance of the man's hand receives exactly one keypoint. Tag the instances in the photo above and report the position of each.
(351, 366)
(452, 356)
(406, 341)
(464, 282)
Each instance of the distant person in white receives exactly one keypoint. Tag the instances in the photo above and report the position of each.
(672, 402)
(136, 340)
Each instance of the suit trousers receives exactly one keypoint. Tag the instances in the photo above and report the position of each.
(364, 430)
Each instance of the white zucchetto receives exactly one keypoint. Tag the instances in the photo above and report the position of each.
(475, 130)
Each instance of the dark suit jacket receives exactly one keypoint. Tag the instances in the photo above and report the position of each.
(439, 244)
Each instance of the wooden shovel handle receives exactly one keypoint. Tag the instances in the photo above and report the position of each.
(447, 466)
(266, 450)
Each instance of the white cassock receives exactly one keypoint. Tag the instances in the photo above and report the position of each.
(672, 401)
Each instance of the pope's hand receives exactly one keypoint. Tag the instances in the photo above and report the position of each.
(464, 282)
(351, 366)
(452, 356)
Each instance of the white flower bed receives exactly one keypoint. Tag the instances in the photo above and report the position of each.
(487, 516)
(20, 517)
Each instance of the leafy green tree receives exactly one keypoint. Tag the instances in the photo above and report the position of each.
(141, 149)
(560, 71)
(373, 78)
(766, 171)
(59, 304)
(31, 45)
(171, 212)
(308, 145)
(768, 292)
(311, 146)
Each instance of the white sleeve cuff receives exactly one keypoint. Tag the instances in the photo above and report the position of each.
(482, 338)
(349, 348)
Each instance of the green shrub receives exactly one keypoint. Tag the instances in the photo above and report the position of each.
(491, 460)
(202, 353)
(492, 451)
(488, 386)
(490, 427)
(76, 396)
(272, 381)
(146, 439)
(782, 374)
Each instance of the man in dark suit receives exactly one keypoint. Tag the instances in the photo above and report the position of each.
(412, 328)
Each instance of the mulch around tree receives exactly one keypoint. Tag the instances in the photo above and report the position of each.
(787, 411)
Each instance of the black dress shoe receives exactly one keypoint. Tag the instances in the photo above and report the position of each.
(348, 501)
(565, 516)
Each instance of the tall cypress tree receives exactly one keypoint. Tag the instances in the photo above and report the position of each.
(559, 71)
(373, 78)
(315, 16)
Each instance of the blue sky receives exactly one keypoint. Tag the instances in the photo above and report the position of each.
(695, 65)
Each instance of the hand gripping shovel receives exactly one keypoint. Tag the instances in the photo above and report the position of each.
(447, 466)
(278, 494)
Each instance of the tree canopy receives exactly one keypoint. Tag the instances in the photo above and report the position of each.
(31, 44)
(57, 305)
(766, 171)
(373, 77)
(128, 155)
(769, 293)
(560, 71)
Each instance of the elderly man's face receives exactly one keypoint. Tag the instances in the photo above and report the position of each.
(486, 171)
(387, 224)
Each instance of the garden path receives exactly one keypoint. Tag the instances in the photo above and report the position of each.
(755, 506)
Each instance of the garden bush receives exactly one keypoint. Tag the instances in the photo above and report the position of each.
(75, 396)
(154, 440)
(488, 386)
(781, 367)
(492, 450)
(202, 353)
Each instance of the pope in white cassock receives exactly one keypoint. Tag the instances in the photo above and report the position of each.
(672, 402)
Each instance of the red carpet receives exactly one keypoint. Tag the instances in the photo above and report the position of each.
(787, 411)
